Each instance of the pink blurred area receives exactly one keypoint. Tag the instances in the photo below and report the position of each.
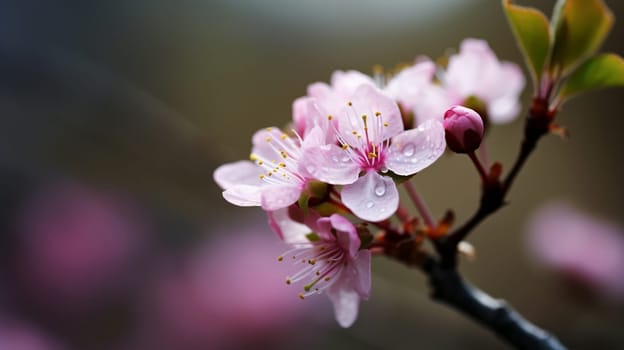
(229, 293)
(83, 253)
(21, 336)
(586, 249)
(78, 246)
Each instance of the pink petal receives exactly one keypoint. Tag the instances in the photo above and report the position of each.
(319, 90)
(315, 137)
(346, 83)
(415, 149)
(346, 235)
(372, 197)
(368, 101)
(473, 71)
(261, 147)
(506, 105)
(300, 114)
(329, 163)
(434, 101)
(346, 302)
(322, 227)
(407, 86)
(243, 195)
(504, 110)
(362, 266)
(242, 172)
(279, 196)
(288, 230)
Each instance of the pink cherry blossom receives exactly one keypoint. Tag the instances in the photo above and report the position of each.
(412, 88)
(273, 178)
(329, 100)
(327, 254)
(476, 71)
(589, 250)
(415, 91)
(369, 129)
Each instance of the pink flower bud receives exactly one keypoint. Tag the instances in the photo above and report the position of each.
(463, 129)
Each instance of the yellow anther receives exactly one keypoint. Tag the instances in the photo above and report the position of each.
(377, 114)
(329, 117)
(280, 258)
(288, 281)
(284, 136)
(386, 124)
(284, 155)
(318, 273)
(371, 155)
(354, 132)
(312, 261)
(268, 139)
(253, 157)
(261, 176)
(269, 174)
(282, 164)
(350, 103)
(345, 147)
(301, 296)
(260, 162)
(269, 129)
(364, 117)
(327, 279)
(378, 69)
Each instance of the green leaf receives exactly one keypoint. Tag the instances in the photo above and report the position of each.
(580, 27)
(600, 71)
(531, 29)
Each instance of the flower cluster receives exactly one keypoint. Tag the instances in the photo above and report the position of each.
(335, 172)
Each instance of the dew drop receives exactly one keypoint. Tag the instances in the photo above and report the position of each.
(408, 150)
(380, 189)
(370, 204)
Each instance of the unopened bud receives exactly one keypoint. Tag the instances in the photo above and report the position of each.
(463, 129)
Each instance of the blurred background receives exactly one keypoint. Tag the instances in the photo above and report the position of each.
(113, 235)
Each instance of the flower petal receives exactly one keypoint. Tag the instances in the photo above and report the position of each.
(346, 234)
(329, 163)
(346, 301)
(346, 83)
(300, 114)
(473, 71)
(407, 86)
(369, 101)
(415, 149)
(372, 197)
(242, 172)
(288, 230)
(243, 195)
(362, 267)
(279, 196)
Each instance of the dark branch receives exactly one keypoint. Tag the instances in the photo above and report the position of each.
(449, 288)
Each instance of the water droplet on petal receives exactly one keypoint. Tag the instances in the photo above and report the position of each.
(370, 204)
(380, 189)
(408, 150)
